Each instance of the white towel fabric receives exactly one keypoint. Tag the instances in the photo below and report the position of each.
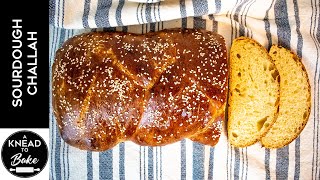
(292, 24)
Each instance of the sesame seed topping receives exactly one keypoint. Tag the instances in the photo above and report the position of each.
(121, 86)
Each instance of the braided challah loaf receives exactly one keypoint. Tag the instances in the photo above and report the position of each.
(152, 89)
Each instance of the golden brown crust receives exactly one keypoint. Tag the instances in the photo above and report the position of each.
(152, 89)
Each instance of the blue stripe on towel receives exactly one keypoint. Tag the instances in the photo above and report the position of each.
(140, 166)
(227, 163)
(62, 22)
(200, 7)
(282, 163)
(218, 5)
(141, 13)
(198, 161)
(159, 11)
(152, 27)
(118, 12)
(297, 159)
(161, 163)
(157, 163)
(63, 160)
(102, 14)
(214, 25)
(247, 163)
(154, 12)
(109, 29)
(150, 163)
(267, 26)
(137, 14)
(236, 167)
(68, 169)
(125, 29)
(52, 11)
(211, 163)
(105, 165)
(148, 12)
(122, 161)
(86, 11)
(58, 16)
(198, 22)
(236, 17)
(57, 156)
(144, 162)
(184, 22)
(297, 17)
(183, 10)
(267, 163)
(242, 164)
(183, 160)
(229, 14)
(246, 10)
(89, 165)
(282, 22)
(52, 152)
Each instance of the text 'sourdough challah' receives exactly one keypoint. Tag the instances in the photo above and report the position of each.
(152, 89)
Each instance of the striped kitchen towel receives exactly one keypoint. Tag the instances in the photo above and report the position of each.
(111, 13)
(293, 24)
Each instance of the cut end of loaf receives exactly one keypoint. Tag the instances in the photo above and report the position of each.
(295, 99)
(253, 92)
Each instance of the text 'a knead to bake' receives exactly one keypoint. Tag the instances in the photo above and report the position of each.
(19, 60)
(24, 143)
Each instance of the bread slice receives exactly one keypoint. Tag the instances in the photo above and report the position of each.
(253, 92)
(295, 99)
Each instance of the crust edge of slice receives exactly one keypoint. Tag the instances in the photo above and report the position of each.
(304, 122)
